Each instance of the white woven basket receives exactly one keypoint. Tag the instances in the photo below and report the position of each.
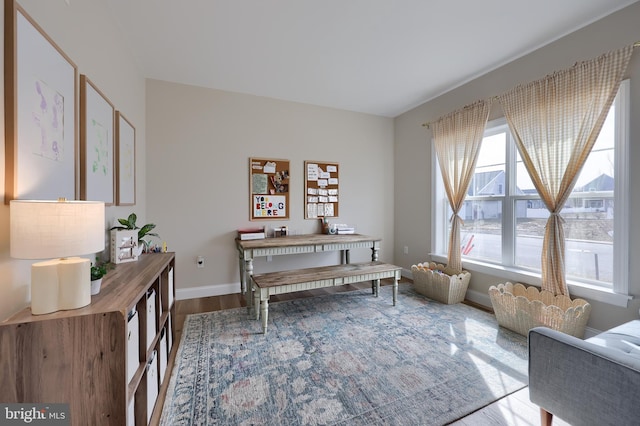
(521, 308)
(439, 283)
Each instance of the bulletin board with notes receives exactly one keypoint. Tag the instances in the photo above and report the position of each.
(321, 189)
(269, 188)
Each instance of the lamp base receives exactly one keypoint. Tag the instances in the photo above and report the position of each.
(60, 284)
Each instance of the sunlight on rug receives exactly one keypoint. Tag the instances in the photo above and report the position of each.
(343, 359)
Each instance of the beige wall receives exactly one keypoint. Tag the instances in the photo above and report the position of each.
(199, 144)
(193, 178)
(87, 35)
(196, 186)
(413, 145)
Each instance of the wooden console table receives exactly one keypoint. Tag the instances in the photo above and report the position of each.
(296, 244)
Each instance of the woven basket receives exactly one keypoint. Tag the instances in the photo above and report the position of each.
(439, 283)
(521, 308)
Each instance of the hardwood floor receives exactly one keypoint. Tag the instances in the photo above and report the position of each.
(512, 410)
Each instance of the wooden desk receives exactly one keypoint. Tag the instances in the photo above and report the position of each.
(296, 244)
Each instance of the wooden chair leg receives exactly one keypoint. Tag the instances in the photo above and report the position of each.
(545, 417)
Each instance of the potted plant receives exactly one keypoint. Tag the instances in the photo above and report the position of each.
(98, 270)
(145, 231)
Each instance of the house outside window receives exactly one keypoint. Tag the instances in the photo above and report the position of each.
(504, 218)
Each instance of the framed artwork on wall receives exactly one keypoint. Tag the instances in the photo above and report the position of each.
(96, 144)
(125, 161)
(41, 112)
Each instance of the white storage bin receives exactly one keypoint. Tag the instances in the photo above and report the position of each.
(151, 317)
(152, 384)
(170, 287)
(133, 343)
(169, 335)
(163, 353)
(131, 413)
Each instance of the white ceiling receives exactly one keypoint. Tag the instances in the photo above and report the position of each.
(381, 57)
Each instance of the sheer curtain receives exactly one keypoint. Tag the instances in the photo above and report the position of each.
(555, 122)
(457, 138)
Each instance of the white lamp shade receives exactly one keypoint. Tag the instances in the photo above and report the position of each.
(56, 229)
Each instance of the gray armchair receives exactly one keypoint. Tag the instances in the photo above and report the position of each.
(586, 382)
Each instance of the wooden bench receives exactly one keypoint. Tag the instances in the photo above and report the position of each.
(281, 282)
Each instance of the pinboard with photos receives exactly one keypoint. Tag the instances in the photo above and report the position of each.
(321, 189)
(269, 188)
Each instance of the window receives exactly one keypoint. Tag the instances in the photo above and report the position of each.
(504, 218)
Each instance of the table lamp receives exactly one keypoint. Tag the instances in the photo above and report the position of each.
(57, 229)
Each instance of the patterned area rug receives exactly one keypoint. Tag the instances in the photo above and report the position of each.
(343, 359)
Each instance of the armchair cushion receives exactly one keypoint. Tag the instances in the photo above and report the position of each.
(587, 382)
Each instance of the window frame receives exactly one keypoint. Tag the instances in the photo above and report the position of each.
(615, 294)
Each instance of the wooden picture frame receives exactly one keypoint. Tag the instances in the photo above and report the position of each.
(268, 189)
(125, 161)
(41, 113)
(97, 118)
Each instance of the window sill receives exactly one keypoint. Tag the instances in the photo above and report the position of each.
(583, 290)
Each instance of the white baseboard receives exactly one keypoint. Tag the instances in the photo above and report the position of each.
(224, 289)
(484, 300)
(473, 295)
(479, 298)
(207, 291)
(232, 288)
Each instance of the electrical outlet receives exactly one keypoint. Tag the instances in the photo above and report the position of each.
(406, 249)
(200, 262)
(269, 258)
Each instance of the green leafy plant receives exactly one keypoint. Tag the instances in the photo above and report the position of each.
(99, 270)
(144, 231)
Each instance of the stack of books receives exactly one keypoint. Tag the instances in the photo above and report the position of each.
(344, 229)
(251, 233)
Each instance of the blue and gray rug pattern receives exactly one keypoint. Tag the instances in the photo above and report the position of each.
(343, 359)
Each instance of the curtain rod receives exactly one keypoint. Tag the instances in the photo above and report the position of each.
(491, 99)
(495, 98)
